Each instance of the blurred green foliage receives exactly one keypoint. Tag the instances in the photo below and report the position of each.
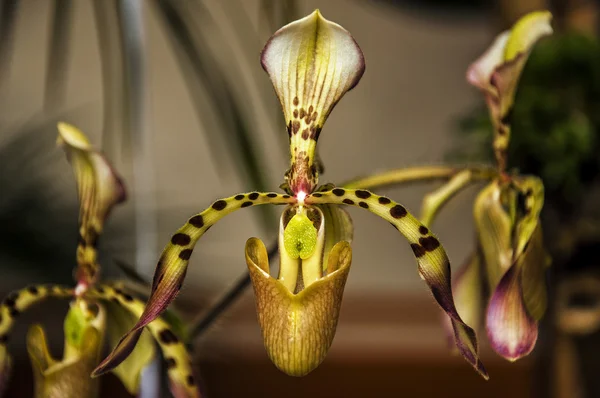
(555, 120)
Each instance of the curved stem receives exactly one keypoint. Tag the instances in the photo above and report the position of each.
(417, 174)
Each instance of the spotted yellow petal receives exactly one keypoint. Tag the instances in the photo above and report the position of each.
(182, 382)
(433, 263)
(312, 63)
(99, 189)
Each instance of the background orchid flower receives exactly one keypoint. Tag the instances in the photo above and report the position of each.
(98, 310)
(312, 63)
(509, 259)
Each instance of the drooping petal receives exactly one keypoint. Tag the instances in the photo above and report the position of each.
(183, 384)
(512, 331)
(69, 377)
(433, 263)
(497, 72)
(298, 329)
(15, 304)
(172, 265)
(312, 63)
(535, 262)
(99, 189)
(468, 295)
(130, 370)
(494, 229)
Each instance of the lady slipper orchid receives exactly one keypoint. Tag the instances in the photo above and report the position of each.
(312, 63)
(97, 309)
(509, 259)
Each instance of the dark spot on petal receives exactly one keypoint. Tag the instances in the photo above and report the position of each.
(363, 205)
(295, 126)
(417, 249)
(181, 239)
(317, 195)
(190, 380)
(295, 113)
(384, 201)
(239, 197)
(286, 196)
(296, 102)
(253, 196)
(507, 117)
(348, 201)
(246, 204)
(13, 312)
(197, 221)
(219, 205)
(127, 297)
(272, 195)
(289, 128)
(100, 290)
(302, 113)
(423, 230)
(115, 300)
(185, 254)
(429, 243)
(339, 192)
(398, 211)
(170, 363)
(33, 290)
(93, 236)
(362, 194)
(166, 336)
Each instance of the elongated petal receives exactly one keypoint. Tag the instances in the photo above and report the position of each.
(534, 263)
(99, 189)
(468, 295)
(129, 371)
(433, 263)
(298, 329)
(494, 229)
(69, 377)
(12, 306)
(512, 331)
(181, 376)
(312, 63)
(172, 265)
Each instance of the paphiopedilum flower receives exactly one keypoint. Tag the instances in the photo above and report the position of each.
(115, 310)
(509, 260)
(312, 63)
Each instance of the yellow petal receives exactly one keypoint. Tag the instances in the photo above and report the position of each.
(312, 63)
(99, 189)
(298, 329)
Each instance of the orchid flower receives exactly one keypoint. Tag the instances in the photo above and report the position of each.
(509, 260)
(97, 309)
(312, 63)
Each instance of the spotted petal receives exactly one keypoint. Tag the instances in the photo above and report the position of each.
(433, 263)
(182, 382)
(312, 63)
(99, 189)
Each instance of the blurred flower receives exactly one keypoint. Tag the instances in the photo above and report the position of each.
(498, 70)
(312, 63)
(509, 260)
(97, 309)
